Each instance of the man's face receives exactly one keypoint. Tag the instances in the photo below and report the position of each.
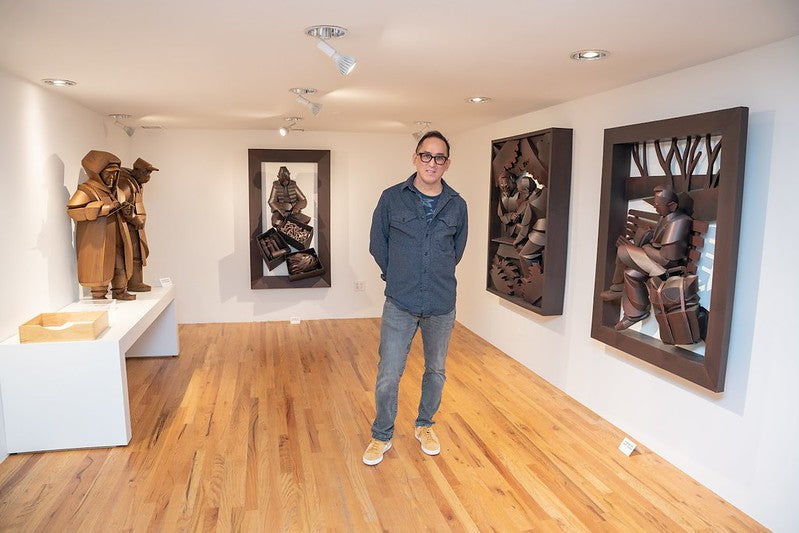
(109, 174)
(505, 185)
(430, 173)
(663, 206)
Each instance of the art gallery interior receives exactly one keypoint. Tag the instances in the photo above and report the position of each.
(740, 443)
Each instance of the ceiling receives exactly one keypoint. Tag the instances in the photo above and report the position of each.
(215, 64)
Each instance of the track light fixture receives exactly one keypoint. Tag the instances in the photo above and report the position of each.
(130, 130)
(301, 92)
(285, 130)
(424, 125)
(345, 64)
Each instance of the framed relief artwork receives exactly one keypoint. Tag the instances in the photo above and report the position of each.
(289, 218)
(528, 219)
(668, 241)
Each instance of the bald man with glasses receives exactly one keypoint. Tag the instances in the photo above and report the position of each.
(418, 236)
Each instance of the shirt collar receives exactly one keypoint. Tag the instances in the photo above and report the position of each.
(446, 190)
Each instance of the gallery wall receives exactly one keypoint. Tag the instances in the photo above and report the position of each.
(43, 137)
(740, 443)
(198, 220)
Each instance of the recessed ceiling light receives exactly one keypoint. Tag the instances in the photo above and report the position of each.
(152, 127)
(119, 116)
(58, 82)
(589, 55)
(478, 99)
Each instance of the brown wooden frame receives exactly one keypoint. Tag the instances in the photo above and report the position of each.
(558, 184)
(256, 157)
(731, 124)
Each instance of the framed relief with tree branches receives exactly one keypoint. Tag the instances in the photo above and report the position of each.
(668, 241)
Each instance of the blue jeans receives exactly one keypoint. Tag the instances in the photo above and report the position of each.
(397, 329)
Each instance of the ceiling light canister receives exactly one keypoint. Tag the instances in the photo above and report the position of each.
(58, 82)
(345, 64)
(589, 54)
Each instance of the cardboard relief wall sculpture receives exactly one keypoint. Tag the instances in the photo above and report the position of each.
(668, 239)
(289, 241)
(528, 219)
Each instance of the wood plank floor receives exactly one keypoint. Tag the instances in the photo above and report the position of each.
(261, 427)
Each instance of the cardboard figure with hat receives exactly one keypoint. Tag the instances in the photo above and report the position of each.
(130, 189)
(102, 241)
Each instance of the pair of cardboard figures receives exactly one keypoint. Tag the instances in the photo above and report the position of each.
(108, 210)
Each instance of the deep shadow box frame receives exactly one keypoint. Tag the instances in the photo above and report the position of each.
(618, 188)
(256, 158)
(558, 182)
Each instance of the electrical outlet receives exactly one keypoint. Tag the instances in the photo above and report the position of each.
(294, 320)
(360, 286)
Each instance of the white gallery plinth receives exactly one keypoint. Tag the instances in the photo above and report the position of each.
(59, 395)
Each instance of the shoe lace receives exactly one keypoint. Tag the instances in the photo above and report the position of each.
(375, 446)
(426, 433)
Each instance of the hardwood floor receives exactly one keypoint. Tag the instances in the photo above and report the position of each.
(261, 427)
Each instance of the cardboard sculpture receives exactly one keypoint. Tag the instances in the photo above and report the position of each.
(130, 190)
(517, 267)
(105, 254)
(286, 199)
(648, 254)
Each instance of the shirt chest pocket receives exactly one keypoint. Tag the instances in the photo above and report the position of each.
(446, 228)
(407, 224)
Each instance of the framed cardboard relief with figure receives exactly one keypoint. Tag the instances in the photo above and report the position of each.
(668, 241)
(289, 218)
(528, 219)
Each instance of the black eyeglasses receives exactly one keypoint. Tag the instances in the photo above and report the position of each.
(426, 157)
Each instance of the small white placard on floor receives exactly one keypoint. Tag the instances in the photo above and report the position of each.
(627, 446)
(166, 282)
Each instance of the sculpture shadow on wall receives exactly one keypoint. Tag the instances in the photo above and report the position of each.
(55, 242)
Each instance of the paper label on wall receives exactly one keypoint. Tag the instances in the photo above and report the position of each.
(627, 446)
(166, 282)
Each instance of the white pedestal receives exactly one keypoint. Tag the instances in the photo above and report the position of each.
(59, 395)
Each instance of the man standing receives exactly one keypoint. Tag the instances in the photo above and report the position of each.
(418, 235)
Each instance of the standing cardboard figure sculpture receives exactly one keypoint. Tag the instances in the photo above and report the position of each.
(650, 256)
(131, 182)
(286, 199)
(102, 238)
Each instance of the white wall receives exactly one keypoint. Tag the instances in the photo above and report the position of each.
(198, 221)
(741, 443)
(43, 137)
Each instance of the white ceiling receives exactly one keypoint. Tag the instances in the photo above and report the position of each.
(215, 64)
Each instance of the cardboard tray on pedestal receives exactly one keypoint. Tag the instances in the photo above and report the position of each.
(67, 326)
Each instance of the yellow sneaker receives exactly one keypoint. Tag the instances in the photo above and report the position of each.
(427, 437)
(374, 452)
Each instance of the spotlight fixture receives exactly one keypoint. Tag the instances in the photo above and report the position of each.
(301, 92)
(345, 64)
(130, 130)
(58, 82)
(285, 130)
(424, 125)
(478, 99)
(589, 55)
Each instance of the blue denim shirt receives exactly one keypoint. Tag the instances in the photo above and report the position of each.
(417, 259)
